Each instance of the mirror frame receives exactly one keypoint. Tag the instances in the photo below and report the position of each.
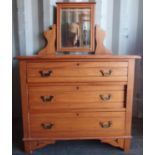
(75, 5)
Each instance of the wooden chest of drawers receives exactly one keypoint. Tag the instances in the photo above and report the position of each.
(77, 97)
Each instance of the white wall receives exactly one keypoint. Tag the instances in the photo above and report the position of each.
(121, 19)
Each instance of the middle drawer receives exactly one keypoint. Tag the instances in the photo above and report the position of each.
(71, 97)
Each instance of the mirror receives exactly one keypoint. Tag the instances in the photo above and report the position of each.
(75, 28)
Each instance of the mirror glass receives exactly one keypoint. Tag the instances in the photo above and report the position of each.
(75, 28)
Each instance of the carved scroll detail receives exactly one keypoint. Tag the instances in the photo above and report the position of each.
(50, 36)
(40, 144)
(114, 142)
(50, 48)
(100, 48)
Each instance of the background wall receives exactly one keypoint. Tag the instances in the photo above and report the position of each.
(121, 19)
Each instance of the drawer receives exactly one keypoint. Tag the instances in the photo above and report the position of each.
(77, 124)
(77, 71)
(46, 98)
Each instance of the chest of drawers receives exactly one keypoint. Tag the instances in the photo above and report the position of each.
(77, 97)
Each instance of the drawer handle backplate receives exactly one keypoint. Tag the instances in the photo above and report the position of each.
(106, 73)
(47, 98)
(107, 124)
(45, 73)
(105, 97)
(47, 125)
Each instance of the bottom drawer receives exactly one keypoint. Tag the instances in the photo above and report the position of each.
(59, 125)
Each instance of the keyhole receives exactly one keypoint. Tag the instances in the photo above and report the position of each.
(38, 143)
(77, 87)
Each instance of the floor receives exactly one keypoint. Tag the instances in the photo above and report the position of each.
(85, 147)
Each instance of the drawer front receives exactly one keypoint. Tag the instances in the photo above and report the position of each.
(48, 98)
(76, 124)
(77, 71)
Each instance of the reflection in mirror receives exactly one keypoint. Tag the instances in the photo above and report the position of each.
(75, 28)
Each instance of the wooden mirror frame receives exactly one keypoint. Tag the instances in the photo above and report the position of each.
(80, 5)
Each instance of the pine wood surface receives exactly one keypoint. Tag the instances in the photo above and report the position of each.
(77, 108)
(50, 36)
(100, 36)
(56, 72)
(68, 97)
(78, 123)
(79, 57)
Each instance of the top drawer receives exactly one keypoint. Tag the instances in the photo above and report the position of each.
(77, 71)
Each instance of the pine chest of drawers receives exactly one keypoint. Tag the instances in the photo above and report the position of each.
(77, 97)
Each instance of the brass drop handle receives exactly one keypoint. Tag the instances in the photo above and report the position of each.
(105, 97)
(47, 125)
(106, 73)
(45, 73)
(107, 124)
(47, 98)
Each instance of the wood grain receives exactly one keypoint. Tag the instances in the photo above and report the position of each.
(25, 110)
(77, 72)
(73, 97)
(66, 123)
(79, 57)
(79, 87)
(76, 108)
(50, 36)
(129, 103)
(116, 142)
(100, 36)
(77, 79)
(77, 64)
(69, 97)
